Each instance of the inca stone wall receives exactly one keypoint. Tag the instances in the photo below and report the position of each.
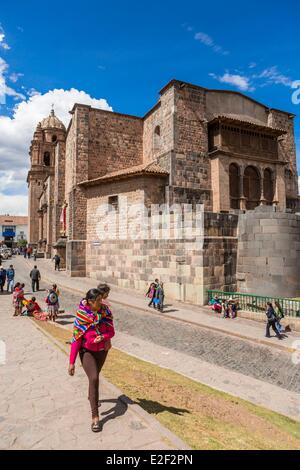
(269, 253)
(188, 267)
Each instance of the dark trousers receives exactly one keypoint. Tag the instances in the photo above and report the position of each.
(56, 266)
(92, 363)
(35, 285)
(2, 285)
(272, 324)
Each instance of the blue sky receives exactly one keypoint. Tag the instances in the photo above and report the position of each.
(124, 52)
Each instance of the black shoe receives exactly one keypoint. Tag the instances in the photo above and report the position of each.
(268, 336)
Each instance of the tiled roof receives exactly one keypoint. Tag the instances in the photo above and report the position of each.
(241, 119)
(151, 168)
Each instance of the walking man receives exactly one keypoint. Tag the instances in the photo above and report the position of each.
(35, 278)
(34, 254)
(2, 278)
(271, 321)
(10, 274)
(56, 261)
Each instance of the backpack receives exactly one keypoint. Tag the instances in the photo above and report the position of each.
(52, 298)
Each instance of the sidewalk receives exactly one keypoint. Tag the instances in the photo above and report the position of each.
(202, 316)
(42, 407)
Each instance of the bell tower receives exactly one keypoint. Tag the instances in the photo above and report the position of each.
(48, 133)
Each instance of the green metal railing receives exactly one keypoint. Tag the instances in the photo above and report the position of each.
(257, 303)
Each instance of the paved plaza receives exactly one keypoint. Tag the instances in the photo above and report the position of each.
(42, 407)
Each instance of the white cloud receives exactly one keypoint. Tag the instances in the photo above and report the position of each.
(241, 82)
(274, 76)
(3, 43)
(16, 133)
(16, 95)
(6, 90)
(209, 42)
(14, 77)
(13, 205)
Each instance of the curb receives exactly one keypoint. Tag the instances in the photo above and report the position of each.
(175, 441)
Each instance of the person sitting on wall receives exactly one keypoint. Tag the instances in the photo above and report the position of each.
(216, 304)
(225, 308)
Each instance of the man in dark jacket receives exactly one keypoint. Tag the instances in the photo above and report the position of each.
(2, 278)
(56, 261)
(35, 278)
(271, 321)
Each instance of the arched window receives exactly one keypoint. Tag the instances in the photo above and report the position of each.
(156, 139)
(251, 182)
(234, 187)
(54, 138)
(46, 160)
(268, 186)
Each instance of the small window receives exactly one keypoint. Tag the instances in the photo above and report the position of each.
(46, 159)
(54, 138)
(113, 203)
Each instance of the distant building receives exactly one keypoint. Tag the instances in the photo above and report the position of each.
(13, 228)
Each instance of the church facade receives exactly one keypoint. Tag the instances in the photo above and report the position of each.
(217, 148)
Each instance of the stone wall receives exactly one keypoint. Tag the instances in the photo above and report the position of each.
(115, 142)
(190, 167)
(188, 267)
(269, 253)
(76, 258)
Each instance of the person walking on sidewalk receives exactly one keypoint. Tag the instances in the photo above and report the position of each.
(18, 298)
(34, 254)
(56, 261)
(93, 328)
(2, 278)
(152, 292)
(271, 321)
(10, 274)
(52, 302)
(35, 278)
(160, 296)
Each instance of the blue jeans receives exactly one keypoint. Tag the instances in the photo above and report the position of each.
(10, 285)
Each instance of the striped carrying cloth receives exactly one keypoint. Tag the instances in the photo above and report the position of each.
(85, 318)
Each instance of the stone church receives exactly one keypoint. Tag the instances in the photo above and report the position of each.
(218, 148)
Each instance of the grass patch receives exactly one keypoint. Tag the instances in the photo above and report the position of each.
(201, 416)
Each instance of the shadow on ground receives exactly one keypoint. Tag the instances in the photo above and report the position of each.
(119, 409)
(154, 407)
